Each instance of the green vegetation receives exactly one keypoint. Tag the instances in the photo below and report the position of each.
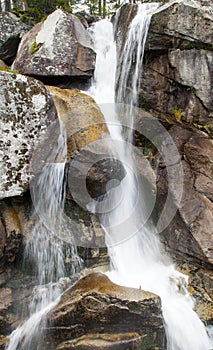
(206, 128)
(34, 47)
(8, 70)
(34, 11)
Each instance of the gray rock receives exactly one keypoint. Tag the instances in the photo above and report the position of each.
(200, 76)
(26, 114)
(11, 31)
(177, 62)
(190, 233)
(183, 24)
(59, 46)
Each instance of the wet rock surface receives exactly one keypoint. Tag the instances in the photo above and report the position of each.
(92, 165)
(96, 305)
(59, 46)
(190, 233)
(176, 81)
(179, 38)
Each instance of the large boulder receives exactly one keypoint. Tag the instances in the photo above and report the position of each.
(59, 46)
(11, 32)
(92, 165)
(180, 25)
(179, 38)
(27, 114)
(98, 314)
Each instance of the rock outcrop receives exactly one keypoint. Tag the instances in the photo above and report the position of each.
(11, 31)
(176, 84)
(27, 114)
(177, 62)
(190, 233)
(98, 314)
(59, 46)
(88, 144)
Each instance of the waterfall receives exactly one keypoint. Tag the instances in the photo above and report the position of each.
(137, 258)
(44, 250)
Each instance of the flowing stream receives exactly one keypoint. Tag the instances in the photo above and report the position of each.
(44, 250)
(138, 260)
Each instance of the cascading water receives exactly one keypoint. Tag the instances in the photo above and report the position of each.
(44, 249)
(136, 255)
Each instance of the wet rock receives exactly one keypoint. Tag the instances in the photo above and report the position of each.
(81, 116)
(15, 228)
(11, 31)
(59, 46)
(189, 234)
(179, 38)
(15, 295)
(27, 114)
(92, 163)
(96, 305)
(201, 289)
(104, 341)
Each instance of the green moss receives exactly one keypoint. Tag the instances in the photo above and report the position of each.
(33, 47)
(8, 70)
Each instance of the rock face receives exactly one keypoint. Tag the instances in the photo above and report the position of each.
(98, 314)
(26, 114)
(88, 144)
(179, 38)
(176, 84)
(60, 46)
(190, 233)
(11, 31)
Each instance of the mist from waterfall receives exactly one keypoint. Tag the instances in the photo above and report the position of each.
(45, 251)
(137, 257)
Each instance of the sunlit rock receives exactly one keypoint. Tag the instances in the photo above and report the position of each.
(59, 46)
(96, 305)
(88, 144)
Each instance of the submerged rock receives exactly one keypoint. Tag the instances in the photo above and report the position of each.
(59, 46)
(120, 316)
(11, 31)
(27, 114)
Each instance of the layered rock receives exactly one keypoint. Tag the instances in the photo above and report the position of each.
(11, 32)
(59, 46)
(98, 314)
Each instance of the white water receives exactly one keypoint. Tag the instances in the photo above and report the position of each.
(44, 250)
(137, 257)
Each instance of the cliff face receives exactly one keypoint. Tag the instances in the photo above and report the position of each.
(176, 87)
(176, 84)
